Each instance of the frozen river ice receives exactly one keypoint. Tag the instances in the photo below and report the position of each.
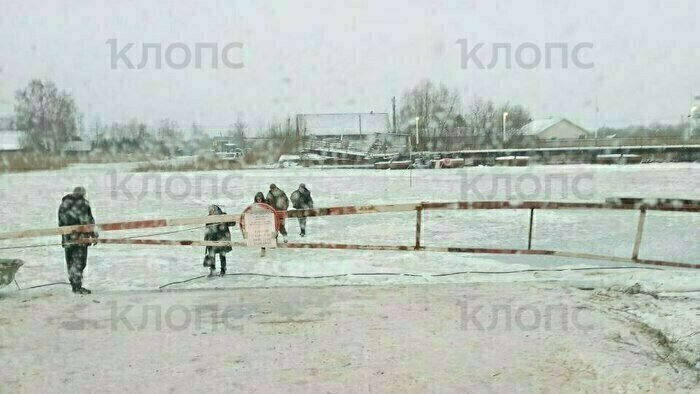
(30, 200)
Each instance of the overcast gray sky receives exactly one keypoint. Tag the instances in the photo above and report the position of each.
(353, 56)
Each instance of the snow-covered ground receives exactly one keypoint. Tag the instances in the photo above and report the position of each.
(30, 200)
(458, 338)
(404, 332)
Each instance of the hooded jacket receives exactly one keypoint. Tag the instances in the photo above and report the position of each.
(277, 199)
(218, 231)
(75, 211)
(259, 196)
(302, 200)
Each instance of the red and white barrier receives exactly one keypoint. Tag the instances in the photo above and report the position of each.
(683, 206)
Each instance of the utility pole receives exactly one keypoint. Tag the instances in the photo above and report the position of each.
(693, 117)
(296, 118)
(417, 137)
(393, 112)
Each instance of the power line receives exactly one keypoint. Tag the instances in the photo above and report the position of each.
(389, 274)
(412, 275)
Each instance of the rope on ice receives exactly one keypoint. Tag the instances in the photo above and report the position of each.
(409, 274)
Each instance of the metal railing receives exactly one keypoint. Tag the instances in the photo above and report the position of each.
(477, 143)
(691, 206)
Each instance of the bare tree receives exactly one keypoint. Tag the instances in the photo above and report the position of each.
(485, 121)
(200, 141)
(137, 130)
(238, 131)
(518, 116)
(434, 106)
(481, 119)
(47, 115)
(168, 130)
(170, 137)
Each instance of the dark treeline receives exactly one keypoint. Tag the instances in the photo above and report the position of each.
(169, 139)
(432, 114)
(136, 137)
(437, 114)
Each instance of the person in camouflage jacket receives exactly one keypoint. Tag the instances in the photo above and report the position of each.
(217, 232)
(276, 198)
(301, 199)
(74, 211)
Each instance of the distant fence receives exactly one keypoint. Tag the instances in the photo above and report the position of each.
(614, 142)
(467, 142)
(691, 206)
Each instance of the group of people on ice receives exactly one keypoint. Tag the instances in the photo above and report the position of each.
(75, 210)
(277, 199)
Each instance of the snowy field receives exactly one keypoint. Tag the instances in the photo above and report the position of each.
(256, 331)
(30, 200)
(370, 339)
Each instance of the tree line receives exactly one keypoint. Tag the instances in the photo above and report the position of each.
(436, 115)
(432, 114)
(51, 119)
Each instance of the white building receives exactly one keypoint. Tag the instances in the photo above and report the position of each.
(10, 137)
(10, 140)
(354, 134)
(347, 124)
(554, 129)
(77, 145)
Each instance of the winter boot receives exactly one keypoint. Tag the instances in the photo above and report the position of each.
(212, 270)
(75, 285)
(83, 290)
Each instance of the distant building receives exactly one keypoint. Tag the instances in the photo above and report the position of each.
(10, 140)
(77, 145)
(350, 124)
(7, 123)
(226, 149)
(10, 137)
(352, 136)
(555, 128)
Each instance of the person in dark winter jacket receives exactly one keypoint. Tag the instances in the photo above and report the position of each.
(259, 198)
(217, 232)
(74, 211)
(301, 199)
(277, 199)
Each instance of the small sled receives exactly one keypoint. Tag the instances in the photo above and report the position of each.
(8, 269)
